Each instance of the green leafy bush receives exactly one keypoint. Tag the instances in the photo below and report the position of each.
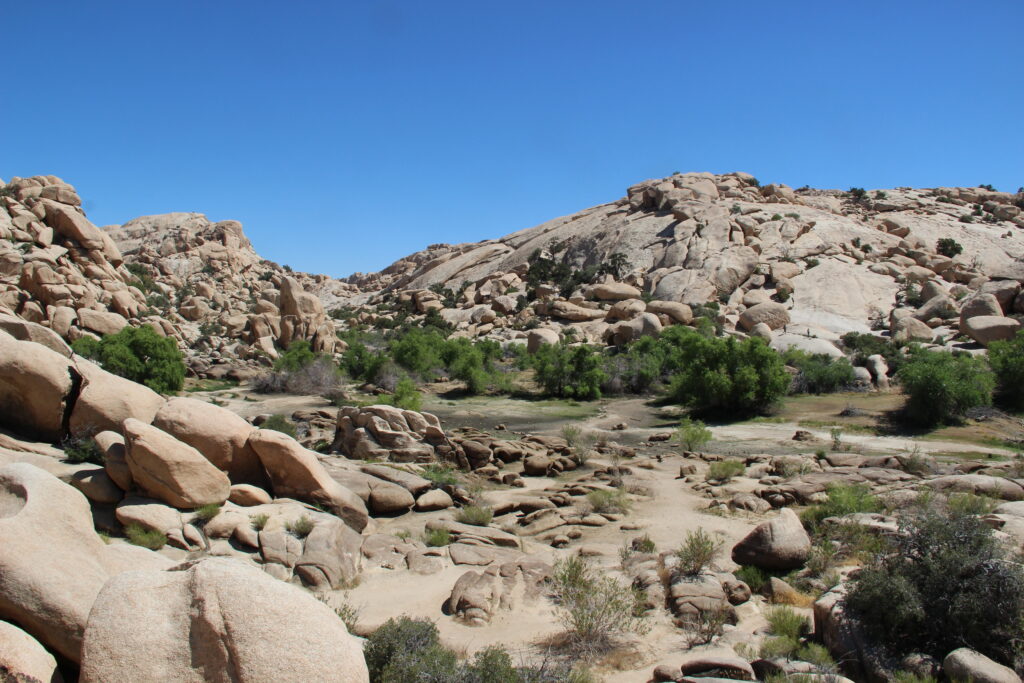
(437, 538)
(755, 577)
(692, 434)
(406, 396)
(204, 513)
(279, 423)
(696, 552)
(568, 371)
(594, 607)
(941, 387)
(297, 356)
(724, 377)
(82, 450)
(819, 373)
(724, 470)
(843, 499)
(945, 583)
(614, 501)
(947, 246)
(440, 475)
(138, 354)
(1007, 361)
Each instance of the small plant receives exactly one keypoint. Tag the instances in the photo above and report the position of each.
(724, 470)
(692, 434)
(477, 515)
(754, 577)
(82, 450)
(857, 193)
(258, 521)
(777, 217)
(207, 512)
(406, 396)
(837, 438)
(783, 621)
(643, 544)
(947, 246)
(147, 538)
(437, 538)
(404, 534)
(843, 499)
(706, 627)
(594, 609)
(349, 615)
(579, 442)
(279, 423)
(971, 504)
(697, 552)
(440, 475)
(880, 194)
(301, 527)
(614, 501)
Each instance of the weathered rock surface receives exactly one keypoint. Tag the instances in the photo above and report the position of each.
(781, 543)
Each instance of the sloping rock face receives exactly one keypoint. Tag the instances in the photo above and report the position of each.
(52, 562)
(215, 620)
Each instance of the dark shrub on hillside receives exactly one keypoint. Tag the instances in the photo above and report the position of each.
(138, 354)
(1007, 361)
(724, 377)
(947, 246)
(864, 345)
(945, 583)
(942, 387)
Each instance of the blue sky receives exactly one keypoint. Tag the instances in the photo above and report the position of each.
(345, 135)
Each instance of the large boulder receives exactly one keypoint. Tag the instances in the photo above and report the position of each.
(215, 620)
(219, 434)
(911, 329)
(170, 470)
(986, 329)
(34, 386)
(979, 305)
(964, 664)
(105, 401)
(780, 543)
(23, 659)
(295, 472)
(70, 223)
(540, 337)
(772, 314)
(52, 562)
(678, 312)
(615, 291)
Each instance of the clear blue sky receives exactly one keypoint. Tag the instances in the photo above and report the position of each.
(345, 135)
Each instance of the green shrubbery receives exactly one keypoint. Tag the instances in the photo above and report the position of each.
(138, 354)
(404, 650)
(947, 246)
(298, 370)
(941, 387)
(692, 434)
(568, 371)
(1007, 361)
(945, 583)
(819, 373)
(723, 377)
(280, 423)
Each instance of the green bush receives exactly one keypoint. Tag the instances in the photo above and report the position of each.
(696, 552)
(593, 607)
(301, 527)
(947, 246)
(406, 396)
(945, 583)
(843, 499)
(258, 521)
(568, 371)
(204, 513)
(477, 515)
(724, 377)
(819, 373)
(724, 470)
(864, 345)
(614, 501)
(692, 434)
(81, 450)
(138, 354)
(755, 577)
(1007, 361)
(941, 387)
(440, 475)
(437, 538)
(147, 538)
(279, 423)
(297, 356)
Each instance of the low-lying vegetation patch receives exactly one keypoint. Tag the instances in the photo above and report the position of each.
(147, 538)
(615, 501)
(477, 515)
(724, 470)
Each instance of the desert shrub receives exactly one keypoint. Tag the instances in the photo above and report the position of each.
(147, 538)
(594, 608)
(643, 544)
(696, 552)
(947, 246)
(614, 501)
(204, 513)
(138, 354)
(857, 193)
(477, 515)
(568, 371)
(1007, 361)
(843, 499)
(692, 434)
(301, 527)
(863, 345)
(319, 377)
(778, 647)
(725, 377)
(786, 628)
(819, 373)
(941, 387)
(440, 475)
(724, 470)
(258, 521)
(755, 577)
(945, 583)
(635, 369)
(349, 615)
(406, 396)
(407, 649)
(279, 423)
(297, 356)
(78, 450)
(361, 363)
(971, 504)
(437, 538)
